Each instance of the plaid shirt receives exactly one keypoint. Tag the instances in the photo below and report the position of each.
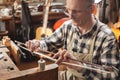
(105, 51)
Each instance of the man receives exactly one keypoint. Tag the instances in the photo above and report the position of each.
(83, 38)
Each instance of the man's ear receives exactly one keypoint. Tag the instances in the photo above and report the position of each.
(94, 9)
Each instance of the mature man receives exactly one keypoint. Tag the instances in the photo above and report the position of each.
(83, 38)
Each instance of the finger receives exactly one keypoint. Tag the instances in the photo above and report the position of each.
(56, 55)
(59, 60)
(66, 56)
(63, 54)
(32, 46)
(26, 43)
(37, 49)
(29, 44)
(36, 44)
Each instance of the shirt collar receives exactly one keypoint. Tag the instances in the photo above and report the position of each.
(89, 33)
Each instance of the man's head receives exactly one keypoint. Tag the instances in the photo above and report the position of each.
(80, 11)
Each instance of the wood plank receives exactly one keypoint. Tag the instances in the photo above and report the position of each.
(50, 73)
(14, 51)
(6, 64)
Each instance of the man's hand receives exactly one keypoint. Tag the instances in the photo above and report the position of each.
(33, 45)
(66, 56)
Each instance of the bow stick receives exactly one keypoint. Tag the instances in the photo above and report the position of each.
(64, 63)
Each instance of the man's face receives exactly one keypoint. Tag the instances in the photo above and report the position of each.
(79, 11)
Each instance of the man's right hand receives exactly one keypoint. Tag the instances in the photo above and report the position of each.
(66, 56)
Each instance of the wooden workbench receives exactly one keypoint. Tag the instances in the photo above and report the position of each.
(6, 64)
(8, 70)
